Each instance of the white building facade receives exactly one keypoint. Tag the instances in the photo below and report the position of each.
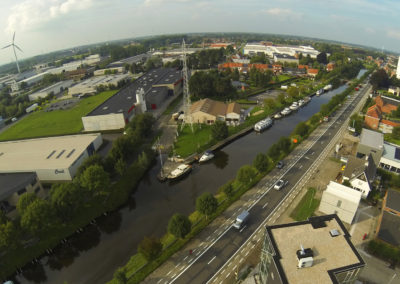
(398, 69)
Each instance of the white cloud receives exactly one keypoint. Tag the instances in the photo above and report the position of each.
(159, 2)
(393, 34)
(32, 13)
(284, 13)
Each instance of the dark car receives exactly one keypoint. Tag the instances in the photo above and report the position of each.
(280, 165)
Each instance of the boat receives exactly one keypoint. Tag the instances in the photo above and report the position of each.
(320, 92)
(294, 106)
(208, 155)
(307, 100)
(328, 88)
(286, 111)
(180, 171)
(277, 115)
(263, 124)
(301, 102)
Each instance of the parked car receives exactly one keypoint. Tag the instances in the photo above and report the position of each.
(14, 119)
(280, 184)
(280, 165)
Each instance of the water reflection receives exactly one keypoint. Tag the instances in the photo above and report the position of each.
(221, 159)
(110, 223)
(87, 239)
(34, 273)
(63, 256)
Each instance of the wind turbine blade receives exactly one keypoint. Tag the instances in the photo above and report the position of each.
(18, 47)
(6, 46)
(13, 37)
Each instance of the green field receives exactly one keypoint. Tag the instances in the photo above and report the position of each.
(59, 122)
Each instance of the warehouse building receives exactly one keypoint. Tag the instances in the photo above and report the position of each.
(52, 158)
(89, 86)
(151, 89)
(318, 250)
(55, 89)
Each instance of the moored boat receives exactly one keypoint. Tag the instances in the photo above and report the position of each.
(180, 171)
(277, 115)
(294, 106)
(286, 111)
(328, 88)
(320, 92)
(263, 124)
(208, 155)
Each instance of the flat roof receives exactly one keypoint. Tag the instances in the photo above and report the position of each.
(123, 100)
(43, 153)
(344, 191)
(12, 182)
(371, 138)
(391, 152)
(389, 229)
(393, 200)
(331, 254)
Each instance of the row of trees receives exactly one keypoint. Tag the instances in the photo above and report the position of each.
(211, 84)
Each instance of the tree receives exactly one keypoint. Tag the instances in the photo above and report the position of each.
(284, 144)
(321, 58)
(150, 248)
(24, 201)
(179, 225)
(293, 92)
(380, 79)
(38, 217)
(65, 198)
(315, 118)
(325, 109)
(274, 152)
(246, 174)
(228, 190)
(281, 99)
(120, 166)
(8, 236)
(120, 276)
(301, 129)
(95, 179)
(95, 159)
(219, 130)
(3, 217)
(396, 132)
(261, 162)
(270, 103)
(206, 204)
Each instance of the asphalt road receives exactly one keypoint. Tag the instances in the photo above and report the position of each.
(262, 206)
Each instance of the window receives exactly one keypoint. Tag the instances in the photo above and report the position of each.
(339, 203)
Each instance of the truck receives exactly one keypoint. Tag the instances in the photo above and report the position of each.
(241, 219)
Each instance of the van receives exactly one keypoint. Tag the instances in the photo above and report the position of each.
(241, 219)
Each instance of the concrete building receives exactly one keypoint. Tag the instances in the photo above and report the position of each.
(254, 49)
(118, 110)
(52, 159)
(208, 111)
(111, 70)
(318, 250)
(285, 58)
(130, 60)
(257, 48)
(89, 86)
(340, 200)
(13, 185)
(390, 159)
(389, 222)
(360, 172)
(371, 142)
(34, 79)
(398, 69)
(56, 89)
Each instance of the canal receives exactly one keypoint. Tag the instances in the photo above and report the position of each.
(93, 255)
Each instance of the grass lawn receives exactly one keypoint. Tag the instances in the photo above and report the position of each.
(284, 77)
(308, 204)
(191, 142)
(59, 122)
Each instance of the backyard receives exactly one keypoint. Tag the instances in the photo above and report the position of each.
(58, 122)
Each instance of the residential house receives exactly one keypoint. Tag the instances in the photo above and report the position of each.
(208, 111)
(312, 72)
(375, 114)
(360, 172)
(394, 90)
(340, 200)
(330, 66)
(389, 222)
(390, 159)
(371, 142)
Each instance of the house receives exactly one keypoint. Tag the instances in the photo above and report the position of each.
(390, 159)
(389, 222)
(312, 72)
(394, 90)
(360, 172)
(208, 111)
(374, 115)
(330, 66)
(371, 142)
(340, 200)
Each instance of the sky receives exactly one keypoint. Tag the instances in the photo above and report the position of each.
(42, 26)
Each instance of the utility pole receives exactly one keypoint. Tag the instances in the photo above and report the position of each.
(186, 95)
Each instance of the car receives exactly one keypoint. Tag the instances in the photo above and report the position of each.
(280, 165)
(280, 184)
(14, 119)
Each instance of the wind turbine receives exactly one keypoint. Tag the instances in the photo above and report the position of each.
(14, 46)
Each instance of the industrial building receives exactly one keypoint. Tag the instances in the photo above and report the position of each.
(55, 89)
(341, 200)
(398, 69)
(285, 58)
(34, 79)
(318, 250)
(52, 158)
(114, 113)
(89, 86)
(257, 48)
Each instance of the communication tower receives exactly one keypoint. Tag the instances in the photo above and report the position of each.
(186, 95)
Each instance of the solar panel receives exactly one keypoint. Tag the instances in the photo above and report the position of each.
(397, 154)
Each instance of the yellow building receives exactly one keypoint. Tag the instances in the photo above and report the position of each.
(208, 111)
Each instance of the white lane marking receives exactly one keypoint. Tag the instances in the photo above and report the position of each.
(227, 275)
(185, 258)
(300, 166)
(169, 272)
(212, 259)
(265, 205)
(159, 280)
(306, 158)
(241, 230)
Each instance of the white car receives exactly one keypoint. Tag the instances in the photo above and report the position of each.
(280, 184)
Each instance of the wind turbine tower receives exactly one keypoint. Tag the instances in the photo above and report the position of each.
(15, 54)
(186, 95)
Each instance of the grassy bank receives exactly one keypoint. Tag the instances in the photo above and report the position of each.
(306, 206)
(58, 122)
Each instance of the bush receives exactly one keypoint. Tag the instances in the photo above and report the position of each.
(150, 248)
(179, 225)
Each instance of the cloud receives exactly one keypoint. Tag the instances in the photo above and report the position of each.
(159, 2)
(32, 13)
(393, 34)
(285, 13)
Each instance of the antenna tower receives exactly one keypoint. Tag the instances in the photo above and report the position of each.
(186, 95)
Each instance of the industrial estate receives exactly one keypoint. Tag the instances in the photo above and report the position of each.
(213, 158)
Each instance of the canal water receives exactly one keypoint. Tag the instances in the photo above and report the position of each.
(93, 255)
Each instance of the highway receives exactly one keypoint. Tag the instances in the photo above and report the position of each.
(209, 261)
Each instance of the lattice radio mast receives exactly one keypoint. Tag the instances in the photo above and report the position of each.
(186, 95)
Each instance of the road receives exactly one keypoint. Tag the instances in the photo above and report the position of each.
(208, 263)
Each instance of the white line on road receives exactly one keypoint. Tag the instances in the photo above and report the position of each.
(169, 272)
(159, 280)
(227, 275)
(212, 259)
(265, 205)
(243, 228)
(185, 258)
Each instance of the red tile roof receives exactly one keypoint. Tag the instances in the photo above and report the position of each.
(391, 123)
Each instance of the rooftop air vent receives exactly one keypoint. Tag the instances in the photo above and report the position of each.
(334, 233)
(304, 257)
